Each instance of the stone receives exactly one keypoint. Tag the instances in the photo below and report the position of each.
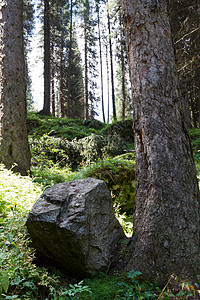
(72, 225)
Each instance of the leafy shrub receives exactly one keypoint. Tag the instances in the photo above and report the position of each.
(123, 128)
(51, 150)
(54, 151)
(16, 191)
(119, 174)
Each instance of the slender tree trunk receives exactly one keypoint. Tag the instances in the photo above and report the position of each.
(123, 70)
(108, 84)
(47, 56)
(53, 107)
(166, 219)
(101, 64)
(111, 66)
(70, 61)
(61, 79)
(14, 148)
(86, 108)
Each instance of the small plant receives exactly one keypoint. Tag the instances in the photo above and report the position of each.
(177, 288)
(74, 291)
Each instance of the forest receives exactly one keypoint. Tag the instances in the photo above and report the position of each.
(120, 103)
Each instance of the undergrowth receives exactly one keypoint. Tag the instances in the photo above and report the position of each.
(20, 277)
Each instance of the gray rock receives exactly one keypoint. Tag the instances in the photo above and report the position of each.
(73, 225)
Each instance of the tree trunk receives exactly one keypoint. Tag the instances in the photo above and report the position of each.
(123, 69)
(14, 148)
(166, 218)
(61, 78)
(111, 67)
(86, 104)
(47, 77)
(69, 96)
(53, 105)
(108, 85)
(101, 64)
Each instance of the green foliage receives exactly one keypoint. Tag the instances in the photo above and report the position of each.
(51, 150)
(95, 147)
(16, 191)
(39, 125)
(21, 279)
(119, 174)
(119, 286)
(123, 128)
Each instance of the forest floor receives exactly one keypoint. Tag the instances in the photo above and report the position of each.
(64, 150)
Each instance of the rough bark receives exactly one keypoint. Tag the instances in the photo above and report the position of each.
(14, 148)
(166, 218)
(47, 56)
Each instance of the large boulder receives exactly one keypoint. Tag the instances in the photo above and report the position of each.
(72, 225)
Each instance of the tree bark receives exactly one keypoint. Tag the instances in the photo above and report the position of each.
(53, 105)
(61, 79)
(86, 100)
(47, 56)
(101, 64)
(166, 218)
(69, 95)
(14, 148)
(123, 69)
(111, 67)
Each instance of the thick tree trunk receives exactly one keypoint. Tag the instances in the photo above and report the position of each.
(166, 219)
(47, 56)
(14, 148)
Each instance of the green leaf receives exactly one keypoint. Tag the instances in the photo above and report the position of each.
(4, 280)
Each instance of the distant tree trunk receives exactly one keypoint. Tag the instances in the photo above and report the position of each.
(86, 104)
(101, 64)
(123, 69)
(53, 107)
(69, 61)
(108, 84)
(111, 67)
(166, 219)
(61, 80)
(14, 148)
(47, 77)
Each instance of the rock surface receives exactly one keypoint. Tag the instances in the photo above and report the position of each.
(73, 225)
